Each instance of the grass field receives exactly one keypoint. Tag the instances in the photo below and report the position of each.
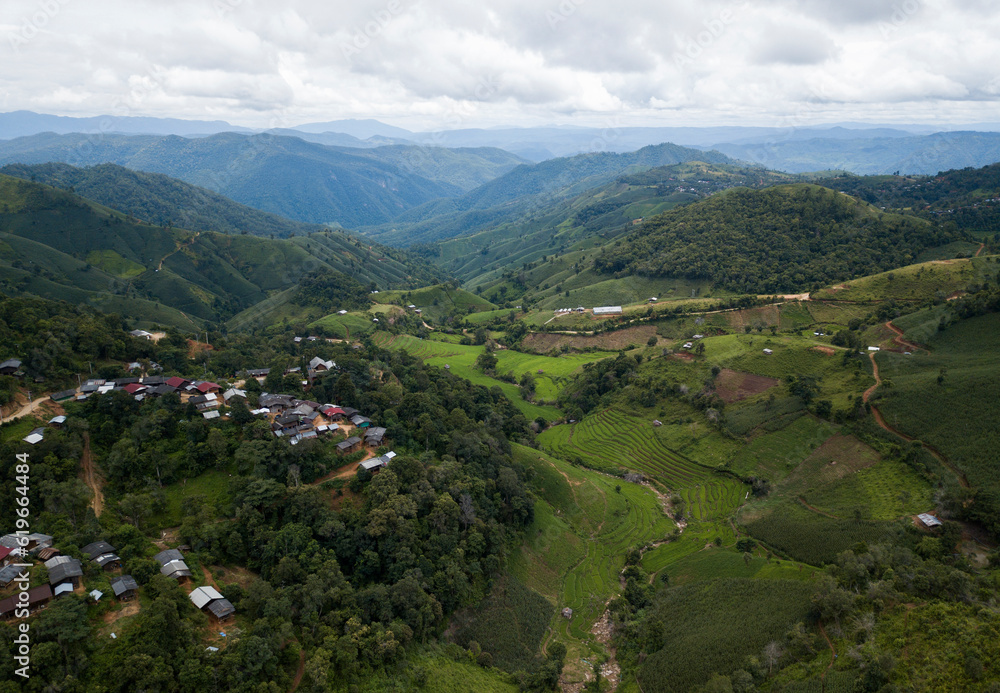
(350, 326)
(774, 455)
(612, 440)
(461, 361)
(919, 282)
(711, 563)
(213, 486)
(434, 672)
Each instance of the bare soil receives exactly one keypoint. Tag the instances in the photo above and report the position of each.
(829, 351)
(733, 386)
(544, 342)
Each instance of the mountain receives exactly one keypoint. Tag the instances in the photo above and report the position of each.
(283, 175)
(912, 155)
(25, 123)
(526, 191)
(362, 129)
(159, 199)
(782, 239)
(596, 215)
(58, 245)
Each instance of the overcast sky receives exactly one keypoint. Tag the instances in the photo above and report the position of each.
(442, 64)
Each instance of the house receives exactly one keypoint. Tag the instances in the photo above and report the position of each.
(233, 392)
(349, 445)
(133, 366)
(125, 588)
(608, 310)
(361, 421)
(64, 574)
(275, 402)
(687, 345)
(349, 412)
(698, 336)
(178, 570)
(97, 548)
(376, 463)
(221, 610)
(35, 542)
(341, 312)
(57, 421)
(214, 414)
(374, 436)
(38, 598)
(178, 383)
(203, 596)
(257, 372)
(8, 573)
(153, 380)
(873, 348)
(207, 387)
(929, 520)
(297, 340)
(331, 412)
(302, 410)
(46, 554)
(172, 564)
(35, 437)
(7, 556)
(10, 366)
(62, 395)
(141, 334)
(657, 423)
(318, 364)
(768, 352)
(653, 299)
(134, 388)
(160, 390)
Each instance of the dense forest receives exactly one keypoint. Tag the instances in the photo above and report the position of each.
(786, 238)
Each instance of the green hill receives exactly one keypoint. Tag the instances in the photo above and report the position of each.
(527, 191)
(786, 238)
(159, 199)
(57, 245)
(283, 175)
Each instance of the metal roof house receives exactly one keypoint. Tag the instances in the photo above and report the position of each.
(64, 570)
(97, 548)
(929, 520)
(124, 587)
(221, 610)
(608, 310)
(201, 596)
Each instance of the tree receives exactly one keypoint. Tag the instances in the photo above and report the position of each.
(486, 362)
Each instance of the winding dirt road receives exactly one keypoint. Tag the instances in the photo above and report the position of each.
(939, 456)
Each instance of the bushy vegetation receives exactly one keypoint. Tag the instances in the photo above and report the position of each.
(787, 238)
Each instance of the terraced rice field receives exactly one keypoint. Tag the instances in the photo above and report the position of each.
(611, 439)
(714, 498)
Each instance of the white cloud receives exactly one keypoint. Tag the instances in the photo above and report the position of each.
(434, 63)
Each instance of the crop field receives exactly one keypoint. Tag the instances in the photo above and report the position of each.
(961, 415)
(733, 386)
(611, 439)
(713, 498)
(774, 455)
(487, 315)
(575, 548)
(888, 490)
(713, 562)
(713, 626)
(544, 342)
(810, 537)
(922, 325)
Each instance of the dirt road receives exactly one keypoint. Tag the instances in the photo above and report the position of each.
(91, 478)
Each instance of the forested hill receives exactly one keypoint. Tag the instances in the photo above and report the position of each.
(283, 175)
(160, 199)
(527, 190)
(786, 238)
(58, 245)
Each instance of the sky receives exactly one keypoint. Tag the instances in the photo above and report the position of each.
(447, 64)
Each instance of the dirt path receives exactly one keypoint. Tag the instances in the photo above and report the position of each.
(208, 577)
(177, 250)
(981, 246)
(815, 510)
(902, 342)
(28, 408)
(299, 672)
(833, 651)
(350, 469)
(938, 455)
(91, 478)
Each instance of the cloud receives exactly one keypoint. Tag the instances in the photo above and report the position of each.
(435, 63)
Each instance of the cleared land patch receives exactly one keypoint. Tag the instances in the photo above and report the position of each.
(733, 386)
(544, 342)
